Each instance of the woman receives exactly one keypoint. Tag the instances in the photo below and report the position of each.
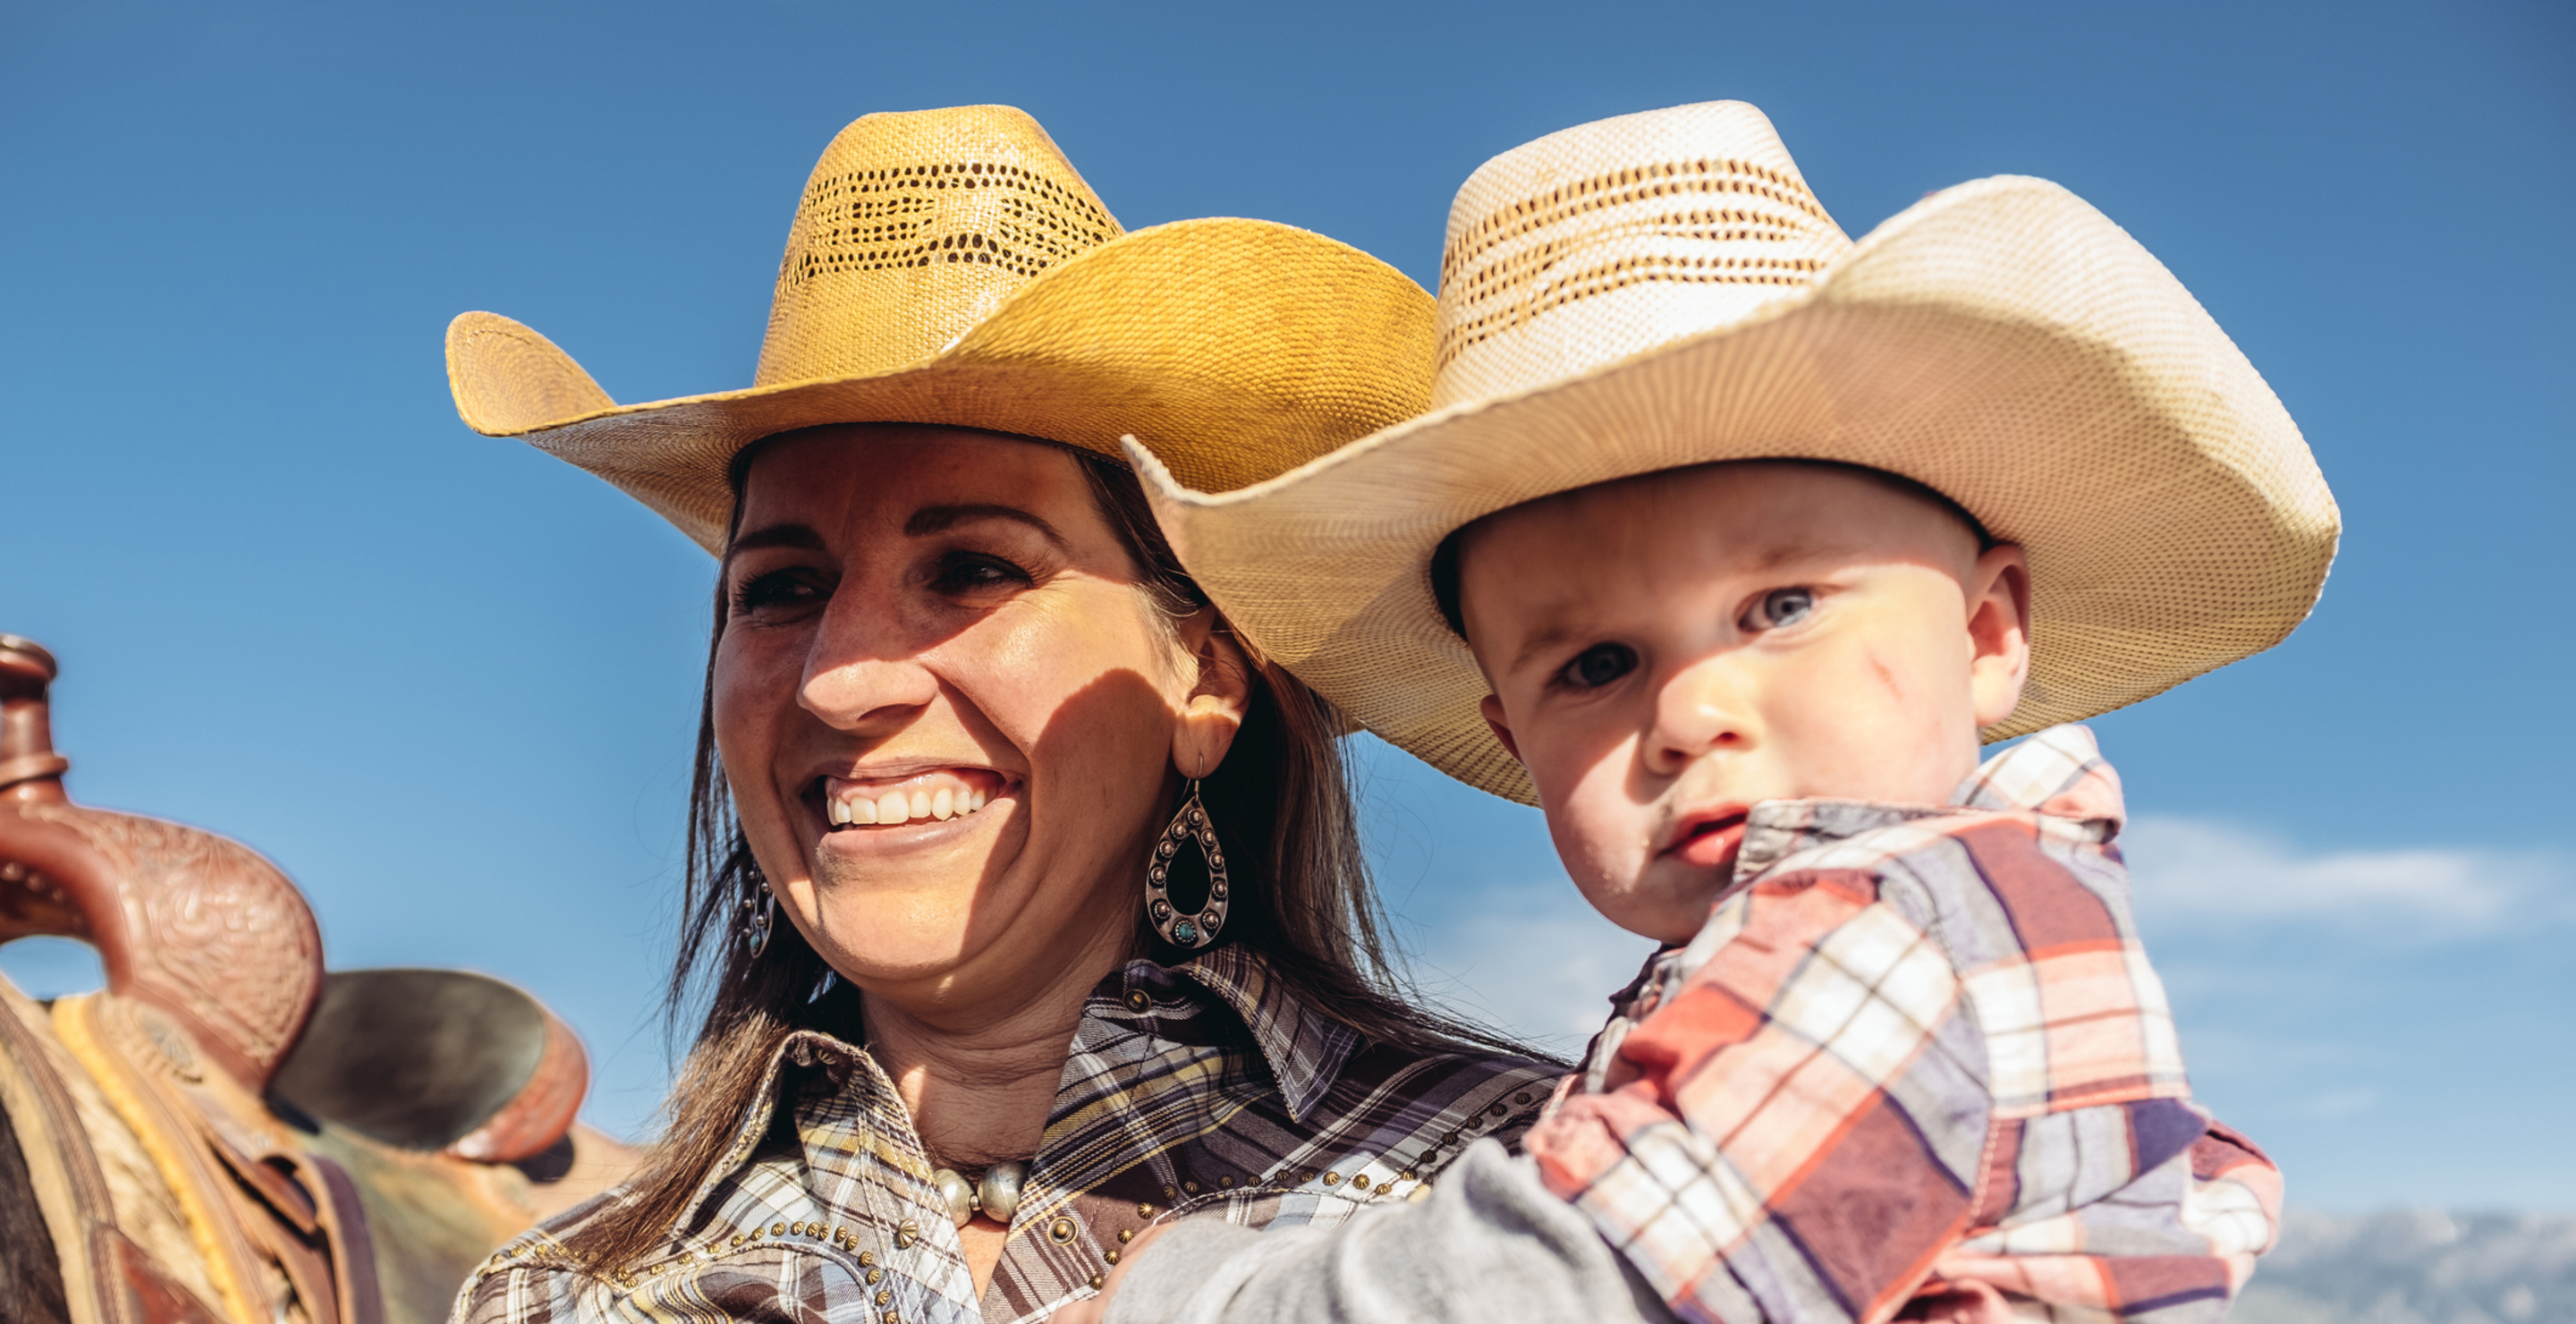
(1075, 929)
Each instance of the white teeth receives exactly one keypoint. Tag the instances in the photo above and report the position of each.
(898, 807)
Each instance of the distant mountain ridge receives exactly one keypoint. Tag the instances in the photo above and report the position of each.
(2416, 1266)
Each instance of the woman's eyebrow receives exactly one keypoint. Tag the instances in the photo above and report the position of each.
(939, 519)
(799, 536)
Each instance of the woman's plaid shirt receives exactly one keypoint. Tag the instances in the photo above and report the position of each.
(1201, 1089)
(1915, 1048)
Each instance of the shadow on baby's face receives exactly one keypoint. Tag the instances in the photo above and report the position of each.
(1667, 651)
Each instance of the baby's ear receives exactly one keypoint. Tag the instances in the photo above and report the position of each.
(1492, 708)
(1998, 632)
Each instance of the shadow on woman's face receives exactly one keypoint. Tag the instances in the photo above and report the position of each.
(946, 709)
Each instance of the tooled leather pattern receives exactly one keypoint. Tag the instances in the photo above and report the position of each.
(217, 934)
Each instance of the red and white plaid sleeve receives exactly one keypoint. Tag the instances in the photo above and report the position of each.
(1919, 1068)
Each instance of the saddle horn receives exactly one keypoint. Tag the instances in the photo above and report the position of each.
(29, 767)
(30, 771)
(197, 926)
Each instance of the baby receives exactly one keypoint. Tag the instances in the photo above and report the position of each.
(1735, 543)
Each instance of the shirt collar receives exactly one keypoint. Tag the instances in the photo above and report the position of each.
(801, 1048)
(2058, 772)
(1304, 1049)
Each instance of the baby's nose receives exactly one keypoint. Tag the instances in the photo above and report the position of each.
(1698, 711)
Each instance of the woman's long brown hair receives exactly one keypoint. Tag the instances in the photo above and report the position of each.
(1281, 798)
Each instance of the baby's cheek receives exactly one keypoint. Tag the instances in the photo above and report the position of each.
(1599, 835)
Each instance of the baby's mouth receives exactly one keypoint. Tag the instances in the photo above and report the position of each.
(923, 797)
(1712, 841)
(1718, 824)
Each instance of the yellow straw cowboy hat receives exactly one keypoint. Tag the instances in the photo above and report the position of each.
(950, 267)
(1662, 290)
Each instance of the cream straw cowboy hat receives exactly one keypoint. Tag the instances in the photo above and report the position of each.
(1661, 290)
(949, 266)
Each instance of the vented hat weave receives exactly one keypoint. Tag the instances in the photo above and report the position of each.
(950, 267)
(1662, 290)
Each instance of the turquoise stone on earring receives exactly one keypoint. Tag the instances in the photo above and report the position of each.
(1184, 933)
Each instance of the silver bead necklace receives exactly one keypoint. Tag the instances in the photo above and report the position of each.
(996, 1194)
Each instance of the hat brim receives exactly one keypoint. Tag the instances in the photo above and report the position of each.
(1232, 348)
(2001, 342)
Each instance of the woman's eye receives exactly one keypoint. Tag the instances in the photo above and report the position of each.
(974, 573)
(778, 588)
(1779, 608)
(1599, 665)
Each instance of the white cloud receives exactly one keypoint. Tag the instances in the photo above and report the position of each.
(2199, 868)
(2415, 1266)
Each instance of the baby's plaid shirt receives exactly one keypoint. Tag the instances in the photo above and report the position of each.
(1915, 1048)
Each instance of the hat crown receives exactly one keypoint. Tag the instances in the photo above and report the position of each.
(913, 228)
(1588, 246)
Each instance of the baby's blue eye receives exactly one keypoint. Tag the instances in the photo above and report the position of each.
(1599, 665)
(1778, 608)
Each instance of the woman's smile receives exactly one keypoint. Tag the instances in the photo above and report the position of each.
(891, 800)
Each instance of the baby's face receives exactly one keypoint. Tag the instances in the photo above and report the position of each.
(1666, 651)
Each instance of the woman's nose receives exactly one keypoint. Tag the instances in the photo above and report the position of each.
(1699, 710)
(849, 694)
(857, 669)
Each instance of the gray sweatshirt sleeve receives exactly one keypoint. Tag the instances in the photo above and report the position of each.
(1491, 1245)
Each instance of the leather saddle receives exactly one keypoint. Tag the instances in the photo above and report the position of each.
(227, 1133)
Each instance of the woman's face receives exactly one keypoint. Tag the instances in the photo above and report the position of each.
(946, 708)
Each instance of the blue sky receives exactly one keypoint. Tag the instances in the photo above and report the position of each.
(450, 684)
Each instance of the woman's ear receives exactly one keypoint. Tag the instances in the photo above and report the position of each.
(1217, 701)
(1998, 632)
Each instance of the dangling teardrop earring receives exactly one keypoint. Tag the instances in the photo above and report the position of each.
(759, 916)
(1190, 823)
